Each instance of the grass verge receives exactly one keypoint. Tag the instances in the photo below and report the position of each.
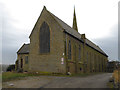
(116, 79)
(110, 85)
(7, 76)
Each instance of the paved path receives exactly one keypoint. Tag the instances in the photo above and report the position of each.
(94, 81)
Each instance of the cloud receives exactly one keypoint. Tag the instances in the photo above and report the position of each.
(12, 38)
(110, 44)
(119, 30)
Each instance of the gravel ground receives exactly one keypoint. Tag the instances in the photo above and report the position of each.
(95, 81)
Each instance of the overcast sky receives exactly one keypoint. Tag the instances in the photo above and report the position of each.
(98, 19)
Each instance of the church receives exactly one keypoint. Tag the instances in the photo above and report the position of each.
(58, 48)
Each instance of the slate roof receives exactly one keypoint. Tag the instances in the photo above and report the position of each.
(24, 49)
(76, 34)
(95, 46)
(67, 28)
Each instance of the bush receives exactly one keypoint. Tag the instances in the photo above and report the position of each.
(11, 67)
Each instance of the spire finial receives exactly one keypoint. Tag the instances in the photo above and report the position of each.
(44, 7)
(74, 21)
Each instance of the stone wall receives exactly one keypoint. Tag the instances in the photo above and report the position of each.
(90, 59)
(48, 62)
(25, 65)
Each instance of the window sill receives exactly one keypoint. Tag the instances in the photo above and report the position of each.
(70, 61)
(80, 62)
(44, 53)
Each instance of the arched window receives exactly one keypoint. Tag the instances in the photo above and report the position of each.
(26, 59)
(95, 63)
(44, 37)
(90, 62)
(69, 50)
(21, 62)
(79, 56)
(87, 57)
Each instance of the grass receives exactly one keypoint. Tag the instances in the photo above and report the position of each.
(116, 78)
(116, 75)
(7, 76)
(110, 85)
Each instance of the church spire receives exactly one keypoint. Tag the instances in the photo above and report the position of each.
(74, 21)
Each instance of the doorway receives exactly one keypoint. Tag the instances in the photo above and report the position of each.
(21, 63)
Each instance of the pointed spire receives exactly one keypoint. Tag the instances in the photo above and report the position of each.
(74, 21)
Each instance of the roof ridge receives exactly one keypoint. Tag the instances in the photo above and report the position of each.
(27, 44)
(97, 46)
(61, 20)
(92, 42)
(21, 47)
(24, 49)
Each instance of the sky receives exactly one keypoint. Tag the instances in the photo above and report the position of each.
(98, 19)
(119, 31)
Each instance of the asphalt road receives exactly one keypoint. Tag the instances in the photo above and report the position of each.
(95, 81)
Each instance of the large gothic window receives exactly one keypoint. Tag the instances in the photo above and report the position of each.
(44, 38)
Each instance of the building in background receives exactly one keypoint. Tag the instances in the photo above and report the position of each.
(112, 65)
(57, 47)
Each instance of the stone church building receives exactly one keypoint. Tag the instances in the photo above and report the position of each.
(57, 47)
